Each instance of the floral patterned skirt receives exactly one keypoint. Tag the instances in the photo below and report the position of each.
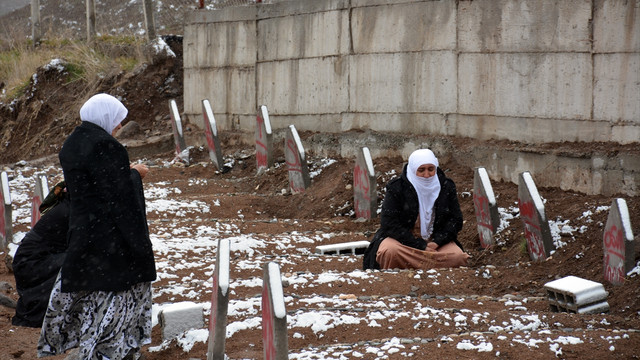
(104, 325)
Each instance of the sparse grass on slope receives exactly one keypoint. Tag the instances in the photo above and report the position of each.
(87, 63)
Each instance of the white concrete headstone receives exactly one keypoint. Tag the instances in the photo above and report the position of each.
(219, 303)
(299, 179)
(6, 229)
(41, 191)
(618, 244)
(485, 206)
(536, 226)
(264, 141)
(365, 199)
(211, 134)
(178, 135)
(274, 315)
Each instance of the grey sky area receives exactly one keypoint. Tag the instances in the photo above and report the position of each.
(7, 6)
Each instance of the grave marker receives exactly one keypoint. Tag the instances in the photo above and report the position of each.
(486, 209)
(219, 303)
(365, 200)
(618, 244)
(6, 231)
(211, 133)
(178, 136)
(274, 315)
(294, 156)
(264, 141)
(41, 191)
(536, 226)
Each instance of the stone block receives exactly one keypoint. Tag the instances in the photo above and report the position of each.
(616, 26)
(304, 39)
(417, 26)
(180, 317)
(551, 85)
(576, 295)
(351, 248)
(616, 92)
(220, 44)
(403, 82)
(305, 86)
(524, 26)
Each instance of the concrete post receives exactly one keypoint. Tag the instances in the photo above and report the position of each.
(149, 23)
(36, 30)
(91, 21)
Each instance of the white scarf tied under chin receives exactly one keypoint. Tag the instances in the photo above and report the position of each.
(428, 189)
(103, 110)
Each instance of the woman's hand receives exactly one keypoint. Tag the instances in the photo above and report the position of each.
(142, 169)
(432, 246)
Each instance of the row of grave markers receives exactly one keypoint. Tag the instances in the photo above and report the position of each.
(618, 241)
(274, 315)
(618, 238)
(618, 245)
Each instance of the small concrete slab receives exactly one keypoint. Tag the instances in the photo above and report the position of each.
(299, 179)
(41, 190)
(274, 315)
(264, 141)
(211, 135)
(219, 303)
(180, 317)
(576, 295)
(536, 226)
(6, 229)
(618, 244)
(485, 206)
(348, 248)
(178, 134)
(365, 197)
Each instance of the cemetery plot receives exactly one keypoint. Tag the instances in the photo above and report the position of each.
(335, 309)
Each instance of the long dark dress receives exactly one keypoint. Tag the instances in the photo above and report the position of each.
(37, 263)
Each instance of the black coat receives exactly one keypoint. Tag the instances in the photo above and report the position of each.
(400, 211)
(37, 262)
(109, 246)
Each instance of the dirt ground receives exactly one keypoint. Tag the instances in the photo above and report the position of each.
(35, 126)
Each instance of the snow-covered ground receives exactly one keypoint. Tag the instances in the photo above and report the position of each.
(185, 239)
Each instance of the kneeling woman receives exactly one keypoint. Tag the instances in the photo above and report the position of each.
(420, 220)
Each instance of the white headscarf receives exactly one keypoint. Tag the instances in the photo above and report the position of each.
(103, 110)
(428, 189)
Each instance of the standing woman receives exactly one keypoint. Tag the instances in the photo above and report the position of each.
(420, 220)
(101, 301)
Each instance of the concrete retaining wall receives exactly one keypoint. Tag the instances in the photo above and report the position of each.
(527, 71)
